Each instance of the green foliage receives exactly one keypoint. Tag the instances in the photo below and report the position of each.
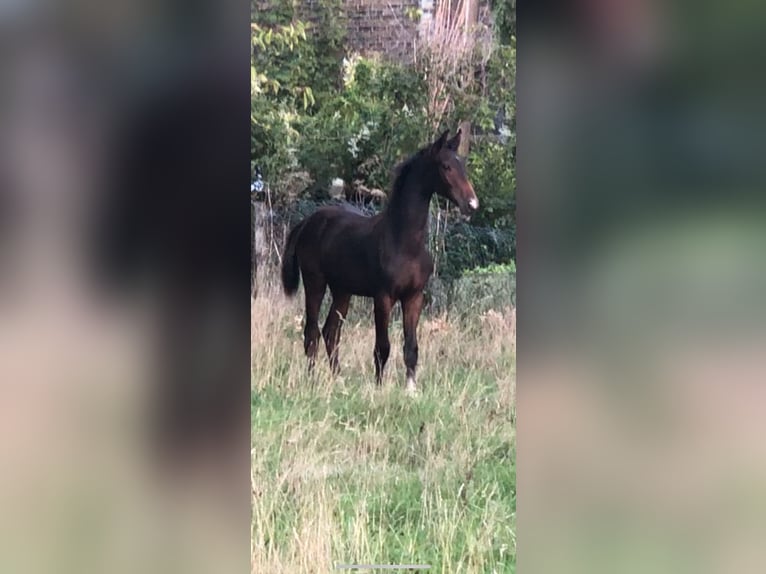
(504, 14)
(492, 160)
(294, 66)
(367, 126)
(276, 89)
(492, 269)
(492, 170)
(276, 73)
(500, 82)
(414, 14)
(275, 13)
(272, 135)
(470, 251)
(467, 247)
(300, 55)
(329, 47)
(483, 289)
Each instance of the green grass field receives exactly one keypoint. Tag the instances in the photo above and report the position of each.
(343, 472)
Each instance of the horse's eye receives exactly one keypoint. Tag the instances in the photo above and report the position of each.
(446, 167)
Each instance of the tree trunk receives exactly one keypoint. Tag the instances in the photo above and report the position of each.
(471, 8)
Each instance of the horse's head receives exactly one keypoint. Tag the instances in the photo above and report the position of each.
(453, 181)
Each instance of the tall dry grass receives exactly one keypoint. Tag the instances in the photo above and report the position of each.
(277, 339)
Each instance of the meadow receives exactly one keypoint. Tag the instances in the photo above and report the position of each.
(347, 473)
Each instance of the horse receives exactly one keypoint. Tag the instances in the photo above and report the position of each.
(383, 257)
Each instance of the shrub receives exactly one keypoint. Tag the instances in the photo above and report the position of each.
(272, 138)
(275, 92)
(504, 15)
(482, 289)
(294, 67)
(468, 247)
(368, 126)
(492, 171)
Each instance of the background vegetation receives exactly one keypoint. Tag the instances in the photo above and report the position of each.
(323, 112)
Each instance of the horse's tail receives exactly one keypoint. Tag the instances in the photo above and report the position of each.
(290, 268)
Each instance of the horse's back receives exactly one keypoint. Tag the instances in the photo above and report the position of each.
(347, 208)
(332, 219)
(343, 211)
(339, 243)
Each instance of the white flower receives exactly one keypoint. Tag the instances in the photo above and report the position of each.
(349, 69)
(353, 148)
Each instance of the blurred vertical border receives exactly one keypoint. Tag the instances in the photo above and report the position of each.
(124, 286)
(641, 283)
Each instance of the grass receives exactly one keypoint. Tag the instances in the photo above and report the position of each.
(343, 472)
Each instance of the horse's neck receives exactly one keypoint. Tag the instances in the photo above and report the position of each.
(407, 215)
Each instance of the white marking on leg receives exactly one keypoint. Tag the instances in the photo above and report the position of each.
(410, 388)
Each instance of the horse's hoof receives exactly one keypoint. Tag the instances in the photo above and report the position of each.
(410, 388)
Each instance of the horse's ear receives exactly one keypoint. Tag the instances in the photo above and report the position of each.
(454, 143)
(437, 146)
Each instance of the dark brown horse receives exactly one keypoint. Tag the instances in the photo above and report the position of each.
(383, 257)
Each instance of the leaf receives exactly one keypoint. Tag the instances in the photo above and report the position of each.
(310, 94)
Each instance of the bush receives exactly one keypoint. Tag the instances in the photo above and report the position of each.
(272, 138)
(504, 15)
(367, 127)
(467, 247)
(482, 289)
(301, 55)
(295, 67)
(491, 167)
(275, 92)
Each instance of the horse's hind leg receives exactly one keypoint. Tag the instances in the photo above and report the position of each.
(332, 327)
(314, 289)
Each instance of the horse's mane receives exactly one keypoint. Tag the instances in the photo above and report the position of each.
(403, 170)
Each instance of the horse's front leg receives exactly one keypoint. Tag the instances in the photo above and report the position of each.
(383, 305)
(411, 309)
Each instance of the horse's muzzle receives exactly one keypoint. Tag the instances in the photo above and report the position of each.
(470, 206)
